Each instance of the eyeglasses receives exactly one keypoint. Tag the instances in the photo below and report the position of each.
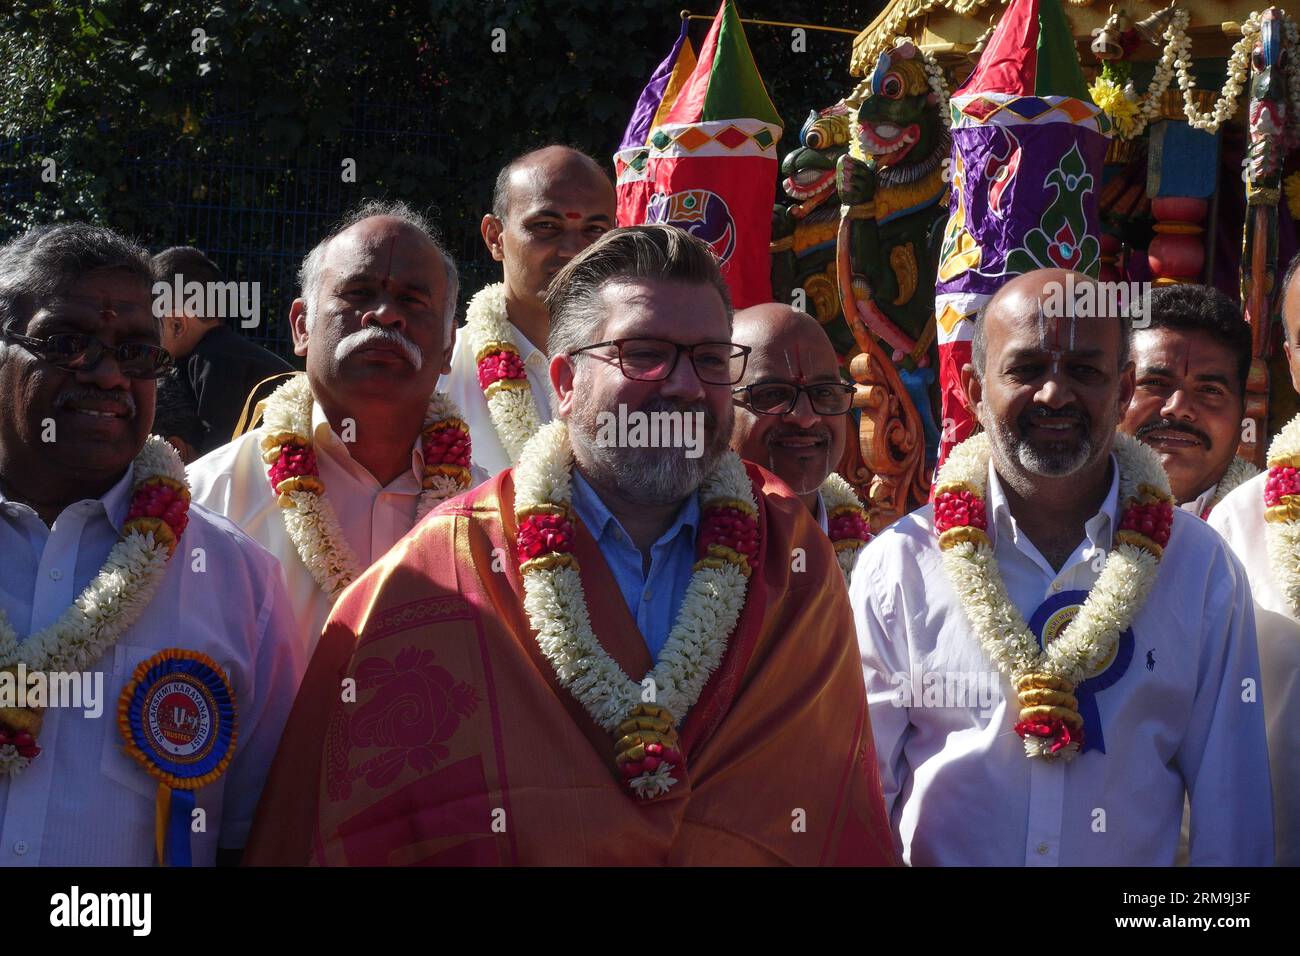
(780, 398)
(78, 352)
(653, 360)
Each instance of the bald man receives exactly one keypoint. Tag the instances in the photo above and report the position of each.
(995, 753)
(791, 406)
(547, 207)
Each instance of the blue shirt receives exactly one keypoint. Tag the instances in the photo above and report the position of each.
(655, 598)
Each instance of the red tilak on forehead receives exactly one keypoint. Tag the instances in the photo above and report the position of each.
(573, 215)
(106, 311)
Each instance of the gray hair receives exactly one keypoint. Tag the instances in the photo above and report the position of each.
(47, 261)
(633, 252)
(309, 273)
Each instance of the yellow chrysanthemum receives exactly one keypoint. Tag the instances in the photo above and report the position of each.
(1114, 102)
(1292, 186)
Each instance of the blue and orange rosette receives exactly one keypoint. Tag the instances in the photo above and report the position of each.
(179, 720)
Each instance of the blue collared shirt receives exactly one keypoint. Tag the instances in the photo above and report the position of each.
(655, 598)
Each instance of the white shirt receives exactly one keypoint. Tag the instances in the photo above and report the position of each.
(461, 386)
(1202, 501)
(83, 801)
(957, 783)
(232, 481)
(1239, 517)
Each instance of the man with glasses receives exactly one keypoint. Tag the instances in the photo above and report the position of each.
(105, 566)
(616, 651)
(792, 407)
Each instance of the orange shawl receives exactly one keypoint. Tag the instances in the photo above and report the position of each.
(431, 730)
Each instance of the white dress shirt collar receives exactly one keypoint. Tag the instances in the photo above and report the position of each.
(822, 518)
(1202, 501)
(327, 442)
(114, 504)
(1098, 529)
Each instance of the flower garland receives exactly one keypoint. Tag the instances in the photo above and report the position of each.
(847, 524)
(501, 373)
(934, 75)
(113, 600)
(647, 747)
(1044, 680)
(1282, 512)
(1239, 472)
(309, 518)
(1131, 112)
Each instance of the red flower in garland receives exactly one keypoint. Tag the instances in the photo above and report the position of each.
(21, 741)
(503, 364)
(295, 461)
(544, 533)
(957, 509)
(1053, 728)
(1154, 520)
(158, 499)
(1283, 480)
(447, 445)
(849, 526)
(730, 527)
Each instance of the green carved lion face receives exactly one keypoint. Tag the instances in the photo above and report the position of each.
(898, 120)
(809, 171)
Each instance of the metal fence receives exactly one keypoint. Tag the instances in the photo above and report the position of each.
(254, 216)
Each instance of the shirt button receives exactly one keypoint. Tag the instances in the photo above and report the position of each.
(1056, 585)
(56, 574)
(647, 596)
(1042, 849)
(21, 848)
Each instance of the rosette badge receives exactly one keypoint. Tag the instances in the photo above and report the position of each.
(178, 719)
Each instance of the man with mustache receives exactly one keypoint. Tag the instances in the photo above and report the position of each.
(602, 656)
(792, 404)
(1258, 521)
(1054, 652)
(111, 577)
(548, 205)
(1191, 361)
(361, 446)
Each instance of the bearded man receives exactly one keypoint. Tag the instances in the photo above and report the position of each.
(1191, 359)
(1055, 654)
(792, 417)
(605, 655)
(361, 446)
(1259, 522)
(119, 597)
(548, 206)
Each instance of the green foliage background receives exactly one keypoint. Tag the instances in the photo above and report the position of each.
(236, 144)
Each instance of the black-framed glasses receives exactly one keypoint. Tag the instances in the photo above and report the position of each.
(653, 360)
(780, 398)
(79, 352)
